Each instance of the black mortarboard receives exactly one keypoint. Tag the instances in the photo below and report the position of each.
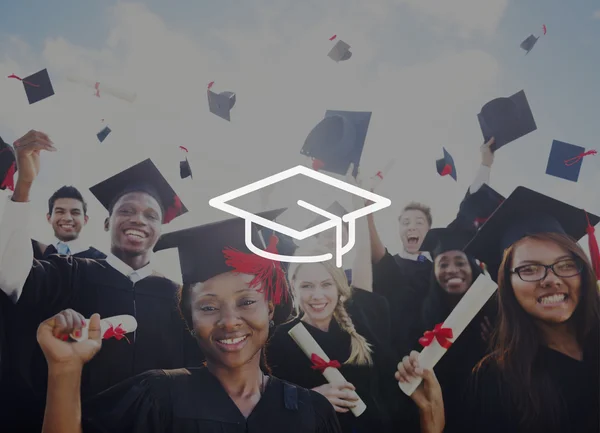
(441, 240)
(185, 170)
(8, 166)
(335, 208)
(144, 176)
(201, 250)
(37, 86)
(477, 207)
(340, 52)
(526, 212)
(565, 160)
(528, 43)
(103, 134)
(338, 140)
(445, 166)
(506, 119)
(221, 103)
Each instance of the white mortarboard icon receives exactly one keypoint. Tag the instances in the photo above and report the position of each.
(378, 203)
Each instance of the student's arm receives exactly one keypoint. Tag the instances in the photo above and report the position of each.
(377, 248)
(484, 171)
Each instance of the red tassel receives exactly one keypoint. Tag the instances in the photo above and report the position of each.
(20, 79)
(576, 159)
(210, 84)
(317, 164)
(267, 272)
(333, 37)
(183, 148)
(173, 211)
(593, 246)
(9, 181)
(447, 170)
(97, 87)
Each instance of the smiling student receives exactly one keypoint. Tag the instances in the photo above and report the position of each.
(138, 201)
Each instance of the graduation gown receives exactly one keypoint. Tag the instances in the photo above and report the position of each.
(491, 410)
(404, 283)
(375, 385)
(92, 286)
(42, 251)
(194, 401)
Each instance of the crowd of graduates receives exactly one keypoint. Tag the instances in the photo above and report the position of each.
(218, 353)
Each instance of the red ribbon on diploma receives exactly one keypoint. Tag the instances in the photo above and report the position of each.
(321, 365)
(575, 160)
(117, 333)
(440, 334)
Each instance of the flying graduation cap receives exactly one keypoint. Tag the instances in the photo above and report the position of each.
(220, 103)
(37, 86)
(529, 43)
(337, 141)
(506, 119)
(185, 170)
(8, 166)
(141, 177)
(526, 212)
(212, 249)
(566, 159)
(445, 166)
(477, 207)
(103, 134)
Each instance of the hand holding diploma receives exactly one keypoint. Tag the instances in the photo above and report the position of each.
(113, 327)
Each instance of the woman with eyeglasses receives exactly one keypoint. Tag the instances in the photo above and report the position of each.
(543, 372)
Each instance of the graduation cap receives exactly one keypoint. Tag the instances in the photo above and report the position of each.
(445, 166)
(185, 170)
(565, 160)
(144, 177)
(37, 86)
(441, 240)
(221, 103)
(8, 166)
(526, 212)
(340, 51)
(103, 134)
(212, 249)
(338, 141)
(529, 43)
(335, 208)
(477, 207)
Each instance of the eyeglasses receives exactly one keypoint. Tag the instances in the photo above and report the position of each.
(537, 272)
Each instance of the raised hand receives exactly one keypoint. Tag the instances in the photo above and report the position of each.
(340, 395)
(428, 396)
(27, 153)
(487, 154)
(53, 337)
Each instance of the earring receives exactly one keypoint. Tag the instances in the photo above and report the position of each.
(193, 333)
(271, 323)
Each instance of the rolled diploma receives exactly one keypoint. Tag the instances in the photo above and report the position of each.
(127, 322)
(309, 346)
(121, 94)
(475, 298)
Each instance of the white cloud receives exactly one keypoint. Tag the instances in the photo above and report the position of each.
(284, 83)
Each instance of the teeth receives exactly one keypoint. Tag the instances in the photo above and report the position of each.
(137, 233)
(318, 306)
(232, 340)
(552, 299)
(455, 280)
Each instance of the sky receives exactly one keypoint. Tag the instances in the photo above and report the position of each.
(423, 67)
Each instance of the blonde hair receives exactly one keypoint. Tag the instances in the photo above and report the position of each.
(360, 348)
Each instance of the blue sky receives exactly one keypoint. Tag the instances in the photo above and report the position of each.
(424, 67)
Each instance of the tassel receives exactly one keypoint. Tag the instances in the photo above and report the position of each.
(20, 79)
(317, 164)
(9, 181)
(447, 170)
(593, 246)
(267, 272)
(173, 211)
(576, 159)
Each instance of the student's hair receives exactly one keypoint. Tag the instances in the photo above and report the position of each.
(66, 191)
(516, 340)
(413, 205)
(360, 350)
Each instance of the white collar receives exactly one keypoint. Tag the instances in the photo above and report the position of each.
(127, 270)
(409, 256)
(75, 246)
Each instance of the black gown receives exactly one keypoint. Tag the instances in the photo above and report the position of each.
(38, 254)
(405, 284)
(194, 401)
(90, 286)
(375, 385)
(491, 411)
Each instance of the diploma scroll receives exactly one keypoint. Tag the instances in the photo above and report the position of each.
(464, 312)
(309, 346)
(111, 327)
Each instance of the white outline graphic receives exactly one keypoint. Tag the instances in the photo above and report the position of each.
(379, 203)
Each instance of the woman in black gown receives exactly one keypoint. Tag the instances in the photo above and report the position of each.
(543, 373)
(231, 310)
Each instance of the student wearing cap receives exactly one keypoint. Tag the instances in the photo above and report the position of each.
(231, 300)
(404, 279)
(67, 214)
(453, 274)
(138, 201)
